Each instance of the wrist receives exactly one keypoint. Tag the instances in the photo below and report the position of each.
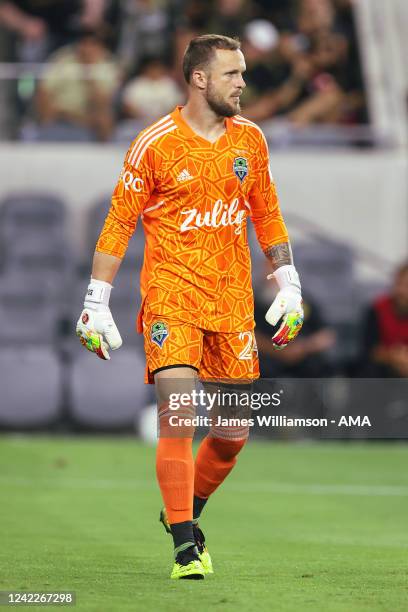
(97, 294)
(286, 276)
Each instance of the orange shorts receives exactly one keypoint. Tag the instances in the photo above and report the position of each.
(215, 355)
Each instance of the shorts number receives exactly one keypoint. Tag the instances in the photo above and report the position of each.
(250, 345)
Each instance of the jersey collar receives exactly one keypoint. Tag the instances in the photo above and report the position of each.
(186, 129)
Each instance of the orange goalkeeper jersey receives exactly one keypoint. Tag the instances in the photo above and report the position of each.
(194, 198)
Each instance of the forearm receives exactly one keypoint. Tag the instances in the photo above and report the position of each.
(267, 218)
(46, 112)
(12, 17)
(394, 357)
(279, 255)
(318, 107)
(264, 344)
(105, 267)
(384, 355)
(116, 232)
(288, 92)
(319, 341)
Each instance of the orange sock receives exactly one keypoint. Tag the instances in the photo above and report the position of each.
(215, 459)
(175, 473)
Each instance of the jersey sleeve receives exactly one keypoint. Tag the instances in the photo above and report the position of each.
(132, 192)
(266, 215)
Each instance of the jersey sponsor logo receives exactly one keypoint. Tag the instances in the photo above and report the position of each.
(131, 182)
(240, 167)
(184, 176)
(221, 215)
(158, 333)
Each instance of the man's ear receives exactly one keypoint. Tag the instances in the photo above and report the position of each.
(199, 79)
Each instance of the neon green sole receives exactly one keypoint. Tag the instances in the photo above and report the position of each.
(193, 571)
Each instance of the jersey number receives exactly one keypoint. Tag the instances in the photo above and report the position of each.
(250, 345)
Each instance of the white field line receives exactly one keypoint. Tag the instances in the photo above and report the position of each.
(324, 489)
(253, 487)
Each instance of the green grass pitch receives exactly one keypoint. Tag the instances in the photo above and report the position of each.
(296, 527)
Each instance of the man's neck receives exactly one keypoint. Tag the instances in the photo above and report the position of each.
(203, 121)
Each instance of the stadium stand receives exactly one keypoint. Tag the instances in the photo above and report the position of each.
(31, 387)
(303, 60)
(23, 215)
(324, 264)
(29, 312)
(100, 408)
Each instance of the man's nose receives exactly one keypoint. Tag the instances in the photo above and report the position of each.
(241, 82)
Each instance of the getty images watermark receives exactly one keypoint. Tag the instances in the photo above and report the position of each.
(225, 399)
(243, 402)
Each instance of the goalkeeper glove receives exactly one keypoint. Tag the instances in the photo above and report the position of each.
(287, 304)
(96, 328)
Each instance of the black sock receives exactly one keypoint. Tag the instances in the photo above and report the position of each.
(198, 505)
(182, 533)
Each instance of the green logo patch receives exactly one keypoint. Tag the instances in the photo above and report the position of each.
(158, 333)
(240, 167)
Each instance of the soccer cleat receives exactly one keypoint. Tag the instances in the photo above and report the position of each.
(203, 553)
(193, 570)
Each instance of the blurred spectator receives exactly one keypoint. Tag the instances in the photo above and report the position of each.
(315, 16)
(302, 56)
(278, 12)
(384, 351)
(44, 25)
(229, 18)
(191, 15)
(151, 94)
(186, 23)
(323, 83)
(305, 357)
(144, 31)
(78, 87)
(327, 71)
(266, 70)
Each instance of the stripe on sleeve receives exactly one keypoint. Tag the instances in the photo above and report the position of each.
(141, 151)
(242, 121)
(144, 135)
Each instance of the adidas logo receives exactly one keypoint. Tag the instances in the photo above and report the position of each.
(184, 176)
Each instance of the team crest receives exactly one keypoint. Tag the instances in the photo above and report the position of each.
(240, 167)
(158, 333)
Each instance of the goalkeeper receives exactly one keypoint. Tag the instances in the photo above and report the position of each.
(194, 177)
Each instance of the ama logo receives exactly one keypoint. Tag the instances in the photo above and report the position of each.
(158, 333)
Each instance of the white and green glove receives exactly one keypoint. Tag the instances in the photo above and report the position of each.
(287, 304)
(96, 328)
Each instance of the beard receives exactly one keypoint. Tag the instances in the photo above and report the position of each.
(219, 105)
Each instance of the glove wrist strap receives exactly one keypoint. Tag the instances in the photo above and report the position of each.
(286, 276)
(98, 292)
